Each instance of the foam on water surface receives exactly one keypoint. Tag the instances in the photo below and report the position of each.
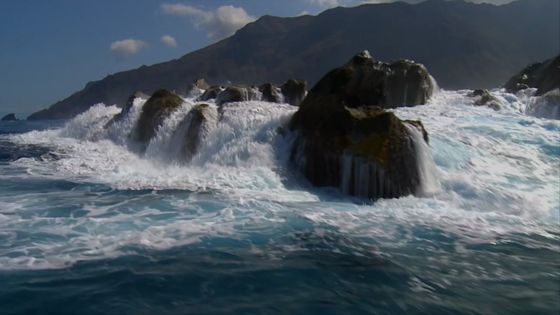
(496, 173)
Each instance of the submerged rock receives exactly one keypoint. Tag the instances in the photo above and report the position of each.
(482, 97)
(544, 76)
(158, 107)
(346, 140)
(9, 117)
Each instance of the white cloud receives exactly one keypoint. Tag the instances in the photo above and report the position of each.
(169, 40)
(127, 47)
(218, 24)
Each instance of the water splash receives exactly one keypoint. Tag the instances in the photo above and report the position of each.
(427, 171)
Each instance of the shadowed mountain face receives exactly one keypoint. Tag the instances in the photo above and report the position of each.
(464, 45)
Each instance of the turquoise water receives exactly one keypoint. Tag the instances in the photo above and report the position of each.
(88, 226)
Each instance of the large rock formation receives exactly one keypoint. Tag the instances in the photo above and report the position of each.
(364, 81)
(345, 138)
(158, 107)
(544, 76)
(9, 117)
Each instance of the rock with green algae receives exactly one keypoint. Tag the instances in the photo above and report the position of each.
(344, 139)
(158, 107)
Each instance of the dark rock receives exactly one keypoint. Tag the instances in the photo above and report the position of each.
(484, 98)
(158, 107)
(545, 76)
(407, 84)
(197, 86)
(201, 84)
(237, 94)
(9, 117)
(271, 93)
(194, 127)
(210, 93)
(127, 106)
(363, 81)
(294, 91)
(345, 141)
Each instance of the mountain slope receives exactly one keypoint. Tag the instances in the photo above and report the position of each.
(464, 45)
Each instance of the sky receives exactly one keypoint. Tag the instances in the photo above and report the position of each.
(50, 49)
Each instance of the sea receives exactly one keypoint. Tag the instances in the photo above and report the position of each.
(90, 226)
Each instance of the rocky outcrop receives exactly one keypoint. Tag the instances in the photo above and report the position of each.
(9, 117)
(364, 81)
(194, 128)
(291, 92)
(294, 91)
(406, 84)
(197, 87)
(126, 109)
(544, 76)
(345, 138)
(238, 94)
(483, 97)
(158, 107)
(271, 93)
(210, 93)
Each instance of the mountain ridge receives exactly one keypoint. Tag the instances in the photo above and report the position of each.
(464, 45)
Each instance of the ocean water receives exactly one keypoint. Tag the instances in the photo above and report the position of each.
(89, 226)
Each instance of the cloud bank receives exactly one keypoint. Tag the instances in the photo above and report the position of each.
(217, 24)
(127, 47)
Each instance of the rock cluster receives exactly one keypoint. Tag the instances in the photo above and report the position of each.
(291, 92)
(345, 137)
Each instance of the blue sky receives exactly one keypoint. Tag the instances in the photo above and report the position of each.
(50, 49)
